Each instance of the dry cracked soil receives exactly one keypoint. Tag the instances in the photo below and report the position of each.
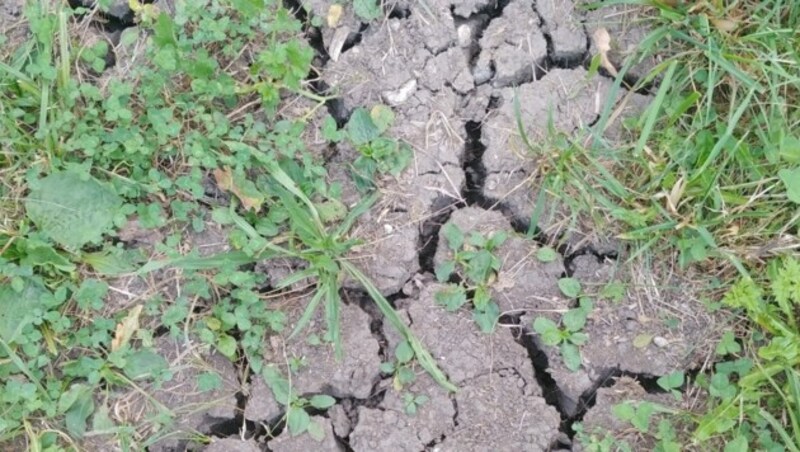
(452, 72)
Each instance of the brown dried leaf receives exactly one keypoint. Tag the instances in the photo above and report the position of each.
(126, 328)
(225, 181)
(602, 40)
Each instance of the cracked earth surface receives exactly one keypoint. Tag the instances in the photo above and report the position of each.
(452, 72)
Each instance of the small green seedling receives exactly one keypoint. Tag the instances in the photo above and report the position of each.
(672, 383)
(570, 337)
(297, 418)
(476, 267)
(546, 254)
(640, 414)
(379, 154)
(400, 367)
(412, 402)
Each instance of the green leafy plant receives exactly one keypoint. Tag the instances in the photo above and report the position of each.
(755, 399)
(144, 148)
(379, 154)
(672, 382)
(368, 9)
(413, 402)
(640, 415)
(568, 338)
(546, 254)
(401, 367)
(297, 418)
(476, 266)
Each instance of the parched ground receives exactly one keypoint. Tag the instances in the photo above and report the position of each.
(452, 71)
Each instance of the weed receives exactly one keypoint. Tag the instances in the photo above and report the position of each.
(757, 397)
(381, 154)
(569, 338)
(297, 418)
(476, 267)
(413, 402)
(400, 368)
(709, 173)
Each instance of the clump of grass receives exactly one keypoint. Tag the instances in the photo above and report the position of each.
(712, 168)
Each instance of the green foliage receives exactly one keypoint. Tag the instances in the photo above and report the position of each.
(297, 418)
(753, 395)
(614, 291)
(546, 254)
(755, 398)
(672, 382)
(475, 266)
(569, 338)
(379, 154)
(368, 9)
(570, 287)
(412, 402)
(711, 166)
(401, 368)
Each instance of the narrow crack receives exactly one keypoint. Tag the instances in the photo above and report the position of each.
(360, 298)
(570, 256)
(472, 29)
(554, 58)
(442, 207)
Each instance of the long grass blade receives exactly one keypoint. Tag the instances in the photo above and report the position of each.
(332, 305)
(655, 108)
(423, 356)
(790, 443)
(360, 209)
(311, 307)
(202, 263)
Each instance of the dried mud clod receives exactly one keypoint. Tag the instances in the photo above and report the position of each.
(194, 410)
(495, 380)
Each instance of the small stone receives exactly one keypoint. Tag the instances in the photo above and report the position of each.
(464, 35)
(660, 342)
(388, 228)
(401, 94)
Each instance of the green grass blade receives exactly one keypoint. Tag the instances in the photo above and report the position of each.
(733, 121)
(20, 364)
(202, 263)
(311, 307)
(655, 108)
(332, 305)
(295, 277)
(63, 61)
(520, 125)
(790, 443)
(794, 387)
(360, 209)
(423, 356)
